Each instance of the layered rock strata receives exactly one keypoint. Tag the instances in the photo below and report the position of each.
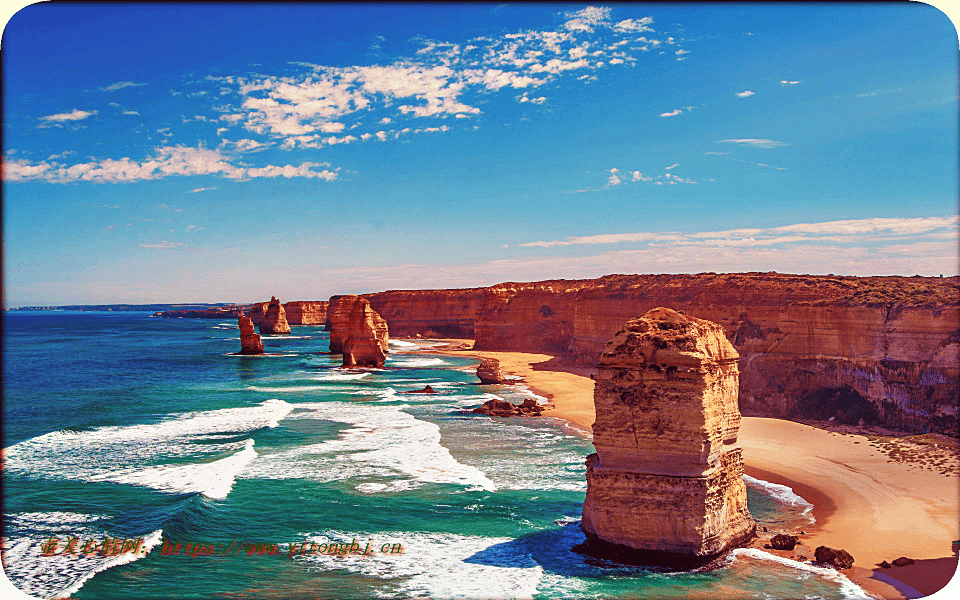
(666, 484)
(275, 318)
(250, 342)
(488, 371)
(429, 313)
(357, 331)
(885, 349)
(306, 312)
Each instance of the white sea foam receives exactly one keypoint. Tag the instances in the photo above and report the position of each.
(63, 574)
(525, 391)
(782, 494)
(402, 344)
(383, 442)
(288, 388)
(437, 565)
(430, 361)
(286, 337)
(337, 376)
(848, 588)
(129, 454)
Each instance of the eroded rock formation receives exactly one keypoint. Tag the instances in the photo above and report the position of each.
(488, 371)
(306, 312)
(666, 484)
(357, 331)
(250, 342)
(275, 318)
(501, 408)
(838, 559)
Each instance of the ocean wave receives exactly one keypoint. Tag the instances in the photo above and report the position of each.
(402, 344)
(782, 494)
(60, 575)
(431, 361)
(437, 565)
(337, 376)
(129, 454)
(383, 442)
(848, 588)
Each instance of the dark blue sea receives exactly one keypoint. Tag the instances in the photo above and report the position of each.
(143, 459)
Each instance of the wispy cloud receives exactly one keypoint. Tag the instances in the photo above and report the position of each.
(166, 161)
(745, 94)
(73, 115)
(120, 85)
(164, 245)
(786, 83)
(837, 232)
(671, 114)
(202, 189)
(756, 143)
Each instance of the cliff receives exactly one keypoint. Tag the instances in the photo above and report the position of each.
(306, 312)
(885, 349)
(250, 342)
(430, 313)
(666, 483)
(351, 317)
(274, 319)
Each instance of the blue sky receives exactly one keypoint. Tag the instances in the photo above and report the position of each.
(232, 152)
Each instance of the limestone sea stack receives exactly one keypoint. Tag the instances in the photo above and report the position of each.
(357, 331)
(275, 318)
(250, 342)
(666, 484)
(488, 371)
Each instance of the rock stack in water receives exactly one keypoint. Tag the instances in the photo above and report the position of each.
(488, 371)
(357, 331)
(666, 484)
(250, 342)
(275, 318)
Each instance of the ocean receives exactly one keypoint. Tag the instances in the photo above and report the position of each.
(144, 459)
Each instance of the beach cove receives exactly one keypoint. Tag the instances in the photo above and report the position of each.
(876, 507)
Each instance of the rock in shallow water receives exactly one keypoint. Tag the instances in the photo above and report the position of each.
(666, 484)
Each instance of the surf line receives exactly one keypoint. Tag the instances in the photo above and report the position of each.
(195, 549)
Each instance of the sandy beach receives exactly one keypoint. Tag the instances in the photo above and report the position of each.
(879, 498)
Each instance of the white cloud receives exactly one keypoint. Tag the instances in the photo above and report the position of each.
(202, 189)
(757, 143)
(785, 83)
(638, 176)
(120, 85)
(73, 115)
(635, 25)
(681, 52)
(588, 18)
(166, 161)
(857, 231)
(671, 114)
(671, 166)
(745, 93)
(614, 179)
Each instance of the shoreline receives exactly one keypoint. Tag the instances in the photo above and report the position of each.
(864, 502)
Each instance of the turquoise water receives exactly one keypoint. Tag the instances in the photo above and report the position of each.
(134, 427)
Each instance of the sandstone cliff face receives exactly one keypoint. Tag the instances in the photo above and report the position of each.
(257, 312)
(891, 343)
(304, 312)
(357, 331)
(667, 479)
(250, 342)
(430, 313)
(274, 319)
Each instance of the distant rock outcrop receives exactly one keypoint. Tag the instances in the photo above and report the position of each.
(274, 319)
(250, 342)
(489, 371)
(357, 332)
(666, 484)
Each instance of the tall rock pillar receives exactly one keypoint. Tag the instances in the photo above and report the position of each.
(275, 318)
(666, 484)
(250, 342)
(357, 331)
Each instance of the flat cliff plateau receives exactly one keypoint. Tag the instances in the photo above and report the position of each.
(666, 484)
(882, 349)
